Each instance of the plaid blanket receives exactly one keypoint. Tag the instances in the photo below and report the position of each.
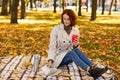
(16, 68)
(72, 72)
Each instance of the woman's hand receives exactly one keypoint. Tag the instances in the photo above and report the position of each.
(50, 62)
(76, 42)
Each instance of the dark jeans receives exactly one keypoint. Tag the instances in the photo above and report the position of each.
(78, 57)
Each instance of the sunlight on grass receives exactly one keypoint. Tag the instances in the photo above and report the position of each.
(5, 21)
(27, 21)
(110, 21)
(98, 39)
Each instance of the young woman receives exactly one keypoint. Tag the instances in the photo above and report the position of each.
(60, 52)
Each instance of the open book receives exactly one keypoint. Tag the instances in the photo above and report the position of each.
(46, 71)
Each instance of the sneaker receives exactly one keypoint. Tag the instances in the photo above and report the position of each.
(97, 72)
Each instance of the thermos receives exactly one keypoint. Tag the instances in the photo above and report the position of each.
(36, 63)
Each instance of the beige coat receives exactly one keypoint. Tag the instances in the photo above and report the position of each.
(60, 43)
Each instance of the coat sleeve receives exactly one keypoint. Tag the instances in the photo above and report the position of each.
(53, 44)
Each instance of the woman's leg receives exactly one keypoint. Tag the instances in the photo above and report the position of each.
(83, 57)
(72, 56)
(66, 60)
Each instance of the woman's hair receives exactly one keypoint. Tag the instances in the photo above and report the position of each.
(72, 16)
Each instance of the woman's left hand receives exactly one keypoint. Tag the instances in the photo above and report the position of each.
(76, 42)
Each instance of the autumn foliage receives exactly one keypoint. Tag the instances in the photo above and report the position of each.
(99, 39)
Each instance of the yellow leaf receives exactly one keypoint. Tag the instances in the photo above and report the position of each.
(15, 71)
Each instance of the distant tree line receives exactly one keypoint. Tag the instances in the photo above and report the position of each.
(15, 5)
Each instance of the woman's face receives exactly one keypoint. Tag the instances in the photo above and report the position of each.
(66, 20)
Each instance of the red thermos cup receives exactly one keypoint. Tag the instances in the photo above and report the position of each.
(74, 37)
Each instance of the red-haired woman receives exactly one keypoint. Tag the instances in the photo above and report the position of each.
(60, 42)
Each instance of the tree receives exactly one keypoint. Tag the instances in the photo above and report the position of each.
(31, 4)
(110, 7)
(94, 8)
(115, 5)
(14, 11)
(4, 7)
(63, 4)
(76, 5)
(22, 9)
(79, 10)
(103, 6)
(99, 3)
(9, 6)
(87, 5)
(54, 6)
(35, 3)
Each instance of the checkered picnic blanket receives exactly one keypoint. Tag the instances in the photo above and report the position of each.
(72, 72)
(11, 68)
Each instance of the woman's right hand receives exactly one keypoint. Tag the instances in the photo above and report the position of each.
(49, 64)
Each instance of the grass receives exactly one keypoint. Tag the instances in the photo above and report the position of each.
(99, 39)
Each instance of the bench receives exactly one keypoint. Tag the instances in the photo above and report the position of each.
(21, 68)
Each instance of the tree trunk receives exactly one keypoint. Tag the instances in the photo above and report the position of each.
(76, 5)
(63, 5)
(94, 8)
(14, 11)
(22, 9)
(110, 7)
(87, 5)
(99, 4)
(9, 6)
(79, 10)
(4, 7)
(54, 6)
(115, 5)
(31, 4)
(103, 6)
(35, 3)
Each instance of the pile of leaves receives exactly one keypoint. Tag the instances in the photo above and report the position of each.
(99, 39)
